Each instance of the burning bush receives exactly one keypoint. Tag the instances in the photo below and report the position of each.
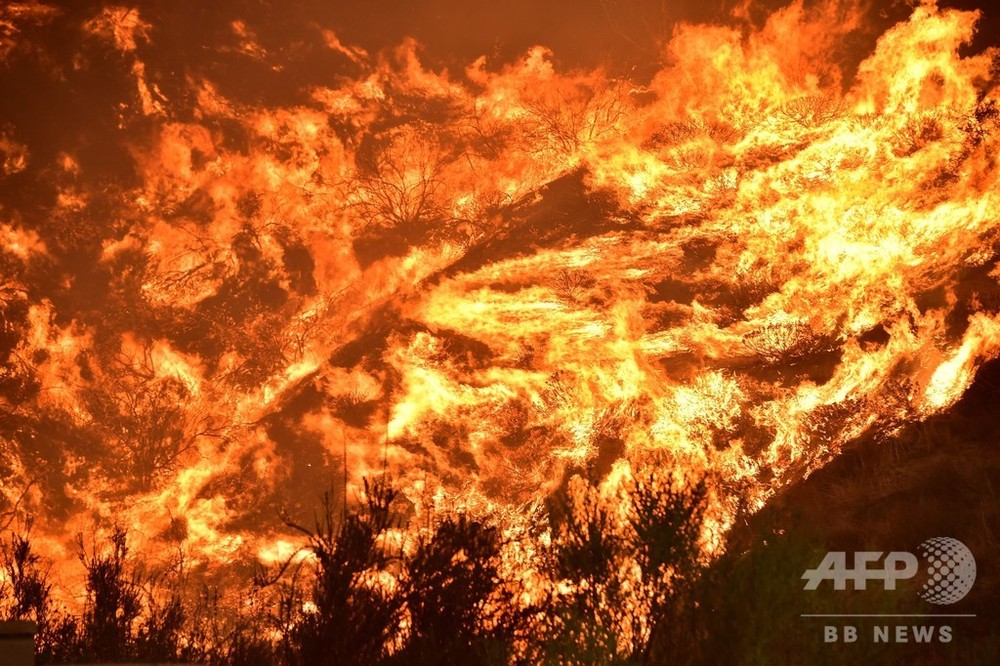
(778, 340)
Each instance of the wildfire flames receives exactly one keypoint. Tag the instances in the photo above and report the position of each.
(483, 282)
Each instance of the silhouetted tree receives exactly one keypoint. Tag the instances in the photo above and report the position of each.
(161, 634)
(579, 622)
(25, 594)
(345, 616)
(624, 569)
(666, 521)
(622, 572)
(24, 587)
(113, 601)
(234, 634)
(454, 601)
(149, 418)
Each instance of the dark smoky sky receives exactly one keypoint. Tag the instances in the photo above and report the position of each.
(622, 35)
(63, 89)
(192, 39)
(580, 32)
(583, 33)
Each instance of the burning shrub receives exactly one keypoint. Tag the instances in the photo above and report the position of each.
(778, 340)
(915, 134)
(399, 183)
(354, 408)
(513, 418)
(671, 134)
(826, 423)
(813, 111)
(982, 123)
(145, 416)
(572, 284)
(566, 118)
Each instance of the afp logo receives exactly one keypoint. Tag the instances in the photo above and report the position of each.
(949, 565)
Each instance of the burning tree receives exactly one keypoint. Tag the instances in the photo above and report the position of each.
(150, 418)
(455, 601)
(571, 116)
(398, 183)
(447, 601)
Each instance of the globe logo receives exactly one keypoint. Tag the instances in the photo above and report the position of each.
(951, 570)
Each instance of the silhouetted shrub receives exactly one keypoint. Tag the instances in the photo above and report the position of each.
(454, 602)
(25, 594)
(622, 579)
(113, 602)
(618, 580)
(345, 616)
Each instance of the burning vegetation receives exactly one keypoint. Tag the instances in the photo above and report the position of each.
(545, 339)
